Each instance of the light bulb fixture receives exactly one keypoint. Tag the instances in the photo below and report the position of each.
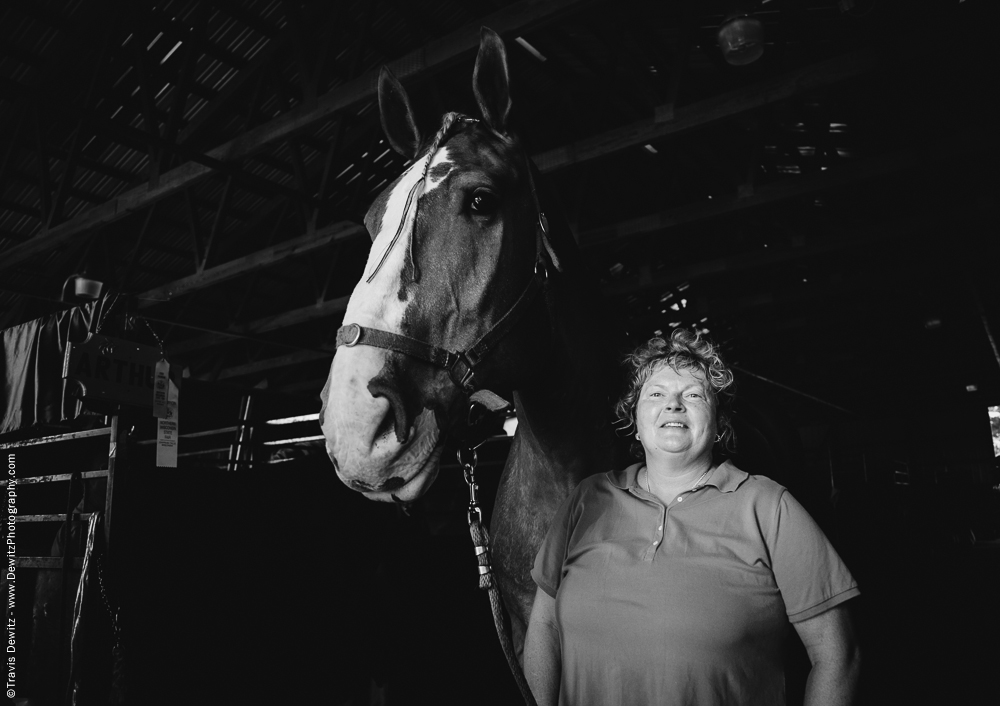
(741, 39)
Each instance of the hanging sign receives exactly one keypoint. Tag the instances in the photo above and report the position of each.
(113, 370)
(166, 423)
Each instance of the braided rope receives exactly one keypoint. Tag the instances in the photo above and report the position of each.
(481, 540)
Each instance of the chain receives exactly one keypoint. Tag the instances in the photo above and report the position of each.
(159, 341)
(117, 657)
(112, 614)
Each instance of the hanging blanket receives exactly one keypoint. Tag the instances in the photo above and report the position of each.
(34, 391)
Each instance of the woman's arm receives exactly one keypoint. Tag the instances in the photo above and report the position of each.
(833, 649)
(541, 650)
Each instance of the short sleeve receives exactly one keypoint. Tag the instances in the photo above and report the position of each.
(810, 574)
(547, 571)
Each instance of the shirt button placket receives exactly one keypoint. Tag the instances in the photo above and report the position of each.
(659, 530)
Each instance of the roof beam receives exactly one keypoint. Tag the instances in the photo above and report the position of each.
(686, 118)
(862, 237)
(669, 120)
(772, 193)
(282, 361)
(267, 257)
(306, 314)
(846, 175)
(518, 17)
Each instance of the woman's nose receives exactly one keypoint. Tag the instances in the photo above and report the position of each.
(674, 403)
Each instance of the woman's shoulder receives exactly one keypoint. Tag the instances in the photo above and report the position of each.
(759, 487)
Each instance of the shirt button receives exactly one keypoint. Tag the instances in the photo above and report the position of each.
(660, 527)
(680, 498)
(655, 543)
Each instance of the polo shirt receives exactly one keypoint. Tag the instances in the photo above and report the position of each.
(684, 603)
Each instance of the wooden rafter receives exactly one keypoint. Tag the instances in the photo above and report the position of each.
(283, 361)
(773, 193)
(708, 111)
(218, 223)
(76, 146)
(137, 250)
(805, 185)
(296, 247)
(520, 16)
(317, 312)
(841, 239)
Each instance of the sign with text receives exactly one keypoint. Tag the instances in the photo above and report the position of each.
(113, 370)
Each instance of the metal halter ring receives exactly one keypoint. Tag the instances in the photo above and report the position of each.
(357, 335)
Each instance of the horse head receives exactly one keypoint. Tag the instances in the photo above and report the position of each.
(448, 302)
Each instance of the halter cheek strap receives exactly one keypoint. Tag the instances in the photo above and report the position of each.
(461, 365)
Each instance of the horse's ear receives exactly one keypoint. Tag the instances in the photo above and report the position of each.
(490, 80)
(397, 115)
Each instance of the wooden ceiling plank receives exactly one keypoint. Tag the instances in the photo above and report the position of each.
(150, 116)
(247, 17)
(708, 111)
(438, 54)
(69, 172)
(862, 237)
(805, 185)
(268, 257)
(186, 79)
(138, 140)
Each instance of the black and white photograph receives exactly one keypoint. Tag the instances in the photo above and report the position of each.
(542, 352)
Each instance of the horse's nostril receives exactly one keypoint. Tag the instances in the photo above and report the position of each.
(392, 484)
(398, 417)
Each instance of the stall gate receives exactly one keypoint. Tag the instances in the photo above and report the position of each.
(49, 631)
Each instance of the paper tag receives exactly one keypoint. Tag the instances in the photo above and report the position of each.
(166, 428)
(161, 378)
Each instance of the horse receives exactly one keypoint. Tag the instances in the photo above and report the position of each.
(470, 286)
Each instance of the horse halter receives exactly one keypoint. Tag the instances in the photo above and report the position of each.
(462, 365)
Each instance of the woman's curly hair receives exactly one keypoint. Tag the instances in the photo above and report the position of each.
(684, 350)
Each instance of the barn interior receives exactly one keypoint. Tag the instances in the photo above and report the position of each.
(817, 201)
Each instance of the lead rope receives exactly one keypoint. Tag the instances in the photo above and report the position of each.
(481, 542)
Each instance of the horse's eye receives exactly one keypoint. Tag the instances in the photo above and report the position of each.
(484, 203)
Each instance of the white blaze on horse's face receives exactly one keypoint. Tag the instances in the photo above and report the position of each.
(366, 450)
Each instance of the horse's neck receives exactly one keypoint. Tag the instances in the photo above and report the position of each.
(562, 437)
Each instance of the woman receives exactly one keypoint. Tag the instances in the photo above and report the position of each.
(672, 581)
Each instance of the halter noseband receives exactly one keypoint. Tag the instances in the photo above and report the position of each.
(461, 365)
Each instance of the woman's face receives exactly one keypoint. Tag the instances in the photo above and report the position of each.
(675, 415)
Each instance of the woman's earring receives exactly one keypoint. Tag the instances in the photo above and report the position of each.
(637, 436)
(718, 438)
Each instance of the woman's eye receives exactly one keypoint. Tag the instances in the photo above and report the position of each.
(484, 203)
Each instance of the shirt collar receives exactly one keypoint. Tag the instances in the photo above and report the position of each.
(726, 477)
